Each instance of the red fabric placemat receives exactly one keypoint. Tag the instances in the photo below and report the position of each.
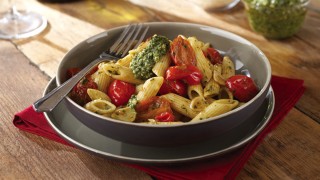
(287, 92)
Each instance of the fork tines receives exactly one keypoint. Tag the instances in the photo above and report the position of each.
(129, 39)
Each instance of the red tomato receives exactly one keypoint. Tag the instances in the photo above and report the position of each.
(191, 74)
(79, 92)
(182, 53)
(242, 87)
(213, 55)
(120, 92)
(165, 117)
(173, 86)
(152, 107)
(72, 71)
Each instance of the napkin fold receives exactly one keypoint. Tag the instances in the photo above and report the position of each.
(287, 92)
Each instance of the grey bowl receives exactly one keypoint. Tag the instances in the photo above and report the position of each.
(247, 58)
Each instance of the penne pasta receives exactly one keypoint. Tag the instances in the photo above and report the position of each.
(198, 104)
(195, 91)
(119, 72)
(100, 106)
(101, 78)
(217, 74)
(205, 46)
(211, 89)
(124, 114)
(96, 94)
(202, 62)
(216, 108)
(161, 66)
(228, 69)
(150, 88)
(180, 104)
(225, 93)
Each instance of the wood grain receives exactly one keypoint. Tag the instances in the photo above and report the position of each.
(27, 156)
(290, 152)
(284, 154)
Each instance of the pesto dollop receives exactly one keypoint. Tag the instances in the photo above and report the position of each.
(276, 19)
(145, 60)
(133, 101)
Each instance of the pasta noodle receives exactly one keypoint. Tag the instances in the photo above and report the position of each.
(100, 106)
(211, 89)
(198, 103)
(217, 74)
(195, 91)
(181, 104)
(119, 72)
(96, 94)
(202, 62)
(125, 114)
(150, 88)
(228, 69)
(160, 67)
(102, 79)
(216, 108)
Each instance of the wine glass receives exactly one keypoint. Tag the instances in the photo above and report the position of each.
(216, 5)
(17, 24)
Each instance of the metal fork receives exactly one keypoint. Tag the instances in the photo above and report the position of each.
(132, 33)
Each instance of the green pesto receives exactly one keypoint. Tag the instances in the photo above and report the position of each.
(133, 101)
(144, 61)
(276, 19)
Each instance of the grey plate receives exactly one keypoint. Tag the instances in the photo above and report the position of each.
(73, 131)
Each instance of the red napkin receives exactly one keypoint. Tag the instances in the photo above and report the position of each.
(287, 92)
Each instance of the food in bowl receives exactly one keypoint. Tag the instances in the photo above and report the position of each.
(165, 81)
(245, 55)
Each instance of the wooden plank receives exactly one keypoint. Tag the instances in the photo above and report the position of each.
(289, 152)
(27, 156)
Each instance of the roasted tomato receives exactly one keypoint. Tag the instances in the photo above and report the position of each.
(72, 71)
(190, 74)
(120, 92)
(242, 87)
(79, 92)
(165, 117)
(173, 86)
(213, 55)
(182, 53)
(152, 108)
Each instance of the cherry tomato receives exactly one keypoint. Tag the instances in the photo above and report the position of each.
(213, 55)
(242, 87)
(79, 92)
(120, 92)
(173, 86)
(72, 71)
(152, 107)
(165, 117)
(195, 76)
(182, 53)
(191, 74)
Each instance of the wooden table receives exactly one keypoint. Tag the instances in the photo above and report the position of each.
(292, 151)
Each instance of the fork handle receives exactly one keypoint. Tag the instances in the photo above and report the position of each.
(54, 97)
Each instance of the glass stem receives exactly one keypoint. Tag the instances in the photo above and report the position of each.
(14, 12)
